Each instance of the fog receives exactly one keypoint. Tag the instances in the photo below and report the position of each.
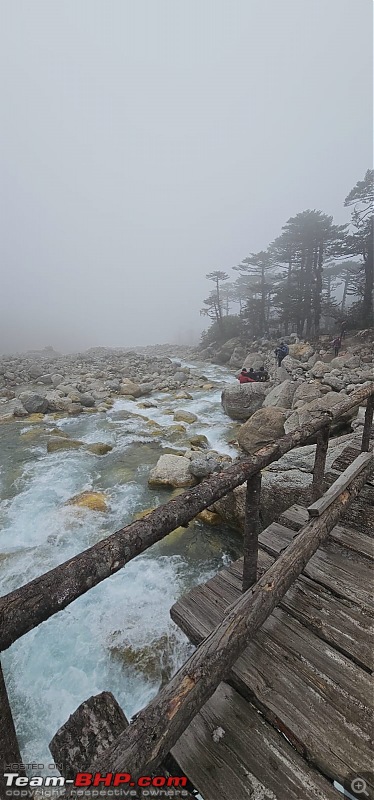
(145, 143)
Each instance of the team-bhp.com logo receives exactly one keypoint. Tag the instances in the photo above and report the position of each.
(15, 782)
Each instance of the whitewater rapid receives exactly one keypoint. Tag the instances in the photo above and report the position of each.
(119, 636)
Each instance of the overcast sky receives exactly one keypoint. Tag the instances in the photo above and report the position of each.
(144, 143)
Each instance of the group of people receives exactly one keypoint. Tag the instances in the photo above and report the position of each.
(253, 376)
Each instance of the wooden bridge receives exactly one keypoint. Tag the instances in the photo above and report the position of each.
(275, 702)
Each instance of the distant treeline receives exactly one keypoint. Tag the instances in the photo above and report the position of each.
(292, 286)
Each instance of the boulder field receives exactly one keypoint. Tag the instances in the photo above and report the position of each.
(47, 382)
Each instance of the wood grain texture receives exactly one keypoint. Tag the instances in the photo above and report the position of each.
(250, 760)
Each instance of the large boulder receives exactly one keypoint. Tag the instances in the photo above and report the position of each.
(319, 369)
(225, 352)
(130, 389)
(301, 351)
(173, 471)
(264, 426)
(306, 392)
(292, 364)
(254, 360)
(240, 401)
(33, 403)
(315, 409)
(281, 396)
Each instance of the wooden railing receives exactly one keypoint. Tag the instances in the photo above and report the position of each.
(148, 740)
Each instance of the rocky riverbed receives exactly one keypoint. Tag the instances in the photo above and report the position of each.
(91, 441)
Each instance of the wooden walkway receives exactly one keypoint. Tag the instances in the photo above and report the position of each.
(296, 713)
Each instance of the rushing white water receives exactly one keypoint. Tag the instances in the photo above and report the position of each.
(119, 636)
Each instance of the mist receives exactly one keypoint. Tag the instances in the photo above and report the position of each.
(146, 144)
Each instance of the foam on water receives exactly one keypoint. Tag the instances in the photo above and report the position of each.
(118, 636)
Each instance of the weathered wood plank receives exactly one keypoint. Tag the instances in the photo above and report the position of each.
(157, 727)
(319, 506)
(297, 516)
(342, 623)
(346, 569)
(250, 760)
(314, 694)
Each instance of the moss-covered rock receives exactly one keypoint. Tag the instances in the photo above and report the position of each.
(99, 448)
(58, 443)
(94, 501)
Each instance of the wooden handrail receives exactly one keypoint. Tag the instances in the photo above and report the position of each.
(34, 602)
(158, 726)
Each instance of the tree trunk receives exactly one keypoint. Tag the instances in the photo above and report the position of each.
(368, 289)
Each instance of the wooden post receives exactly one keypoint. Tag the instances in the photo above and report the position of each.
(320, 462)
(367, 424)
(251, 526)
(9, 749)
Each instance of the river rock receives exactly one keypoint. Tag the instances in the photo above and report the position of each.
(173, 471)
(240, 401)
(99, 448)
(33, 403)
(131, 389)
(265, 426)
(185, 416)
(94, 501)
(58, 443)
(202, 466)
(281, 396)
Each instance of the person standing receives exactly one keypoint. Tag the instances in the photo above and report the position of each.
(281, 352)
(343, 328)
(336, 345)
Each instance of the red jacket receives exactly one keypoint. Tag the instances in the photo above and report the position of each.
(245, 379)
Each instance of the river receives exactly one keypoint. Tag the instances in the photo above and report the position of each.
(119, 636)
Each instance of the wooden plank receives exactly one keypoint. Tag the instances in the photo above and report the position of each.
(344, 624)
(297, 516)
(251, 759)
(312, 693)
(317, 508)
